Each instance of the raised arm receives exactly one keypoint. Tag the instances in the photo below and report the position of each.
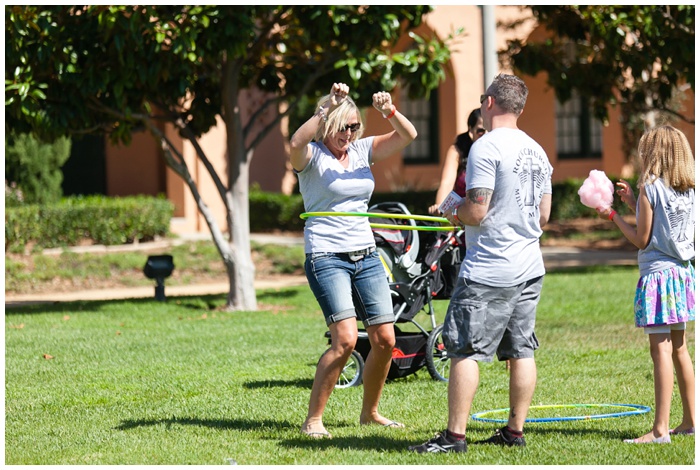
(403, 134)
(299, 153)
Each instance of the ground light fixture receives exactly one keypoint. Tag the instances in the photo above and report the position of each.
(159, 267)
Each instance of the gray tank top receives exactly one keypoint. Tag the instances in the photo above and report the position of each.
(326, 186)
(673, 228)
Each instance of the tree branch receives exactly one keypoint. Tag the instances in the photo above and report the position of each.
(183, 171)
(203, 157)
(665, 13)
(319, 72)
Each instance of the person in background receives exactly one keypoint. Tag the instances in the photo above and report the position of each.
(494, 304)
(665, 297)
(345, 273)
(455, 165)
(453, 170)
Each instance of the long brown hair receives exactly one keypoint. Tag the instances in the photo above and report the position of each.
(665, 153)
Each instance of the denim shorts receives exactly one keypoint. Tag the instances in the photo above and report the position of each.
(345, 288)
(483, 320)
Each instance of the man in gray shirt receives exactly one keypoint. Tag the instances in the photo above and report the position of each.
(492, 310)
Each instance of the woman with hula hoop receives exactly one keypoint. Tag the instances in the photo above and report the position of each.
(342, 265)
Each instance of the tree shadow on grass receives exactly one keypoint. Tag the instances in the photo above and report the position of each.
(282, 293)
(369, 443)
(396, 443)
(535, 430)
(56, 306)
(192, 302)
(232, 424)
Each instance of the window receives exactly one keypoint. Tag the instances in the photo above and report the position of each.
(423, 113)
(579, 134)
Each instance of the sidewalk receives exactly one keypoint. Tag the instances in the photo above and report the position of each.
(554, 257)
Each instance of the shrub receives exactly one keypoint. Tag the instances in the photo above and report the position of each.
(101, 219)
(34, 167)
(275, 211)
(13, 195)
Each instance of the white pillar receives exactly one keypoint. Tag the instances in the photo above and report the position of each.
(488, 26)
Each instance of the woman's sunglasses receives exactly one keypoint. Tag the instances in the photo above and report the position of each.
(480, 131)
(353, 127)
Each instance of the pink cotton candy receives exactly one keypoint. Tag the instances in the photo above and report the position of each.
(597, 191)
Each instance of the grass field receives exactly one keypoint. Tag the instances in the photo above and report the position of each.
(181, 382)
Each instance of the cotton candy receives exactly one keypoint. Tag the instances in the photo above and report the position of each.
(597, 191)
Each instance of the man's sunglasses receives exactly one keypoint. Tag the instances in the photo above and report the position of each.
(482, 98)
(353, 127)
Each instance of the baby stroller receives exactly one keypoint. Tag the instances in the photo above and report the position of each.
(411, 259)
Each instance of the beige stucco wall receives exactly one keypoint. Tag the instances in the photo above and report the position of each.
(122, 160)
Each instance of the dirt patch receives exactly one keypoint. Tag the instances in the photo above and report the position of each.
(588, 233)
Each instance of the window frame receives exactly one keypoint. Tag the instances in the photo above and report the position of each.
(584, 130)
(433, 126)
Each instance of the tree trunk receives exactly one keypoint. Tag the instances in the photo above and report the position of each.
(240, 269)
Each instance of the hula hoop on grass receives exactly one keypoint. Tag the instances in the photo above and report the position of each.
(632, 410)
(381, 215)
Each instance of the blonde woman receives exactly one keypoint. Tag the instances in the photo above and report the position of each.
(332, 162)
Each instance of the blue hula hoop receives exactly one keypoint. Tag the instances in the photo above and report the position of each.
(634, 410)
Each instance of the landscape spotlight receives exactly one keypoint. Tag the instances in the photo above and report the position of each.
(159, 267)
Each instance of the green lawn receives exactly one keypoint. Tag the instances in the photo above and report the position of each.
(181, 382)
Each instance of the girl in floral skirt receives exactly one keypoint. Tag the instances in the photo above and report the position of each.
(665, 298)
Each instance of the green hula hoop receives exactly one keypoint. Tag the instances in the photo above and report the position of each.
(380, 215)
(415, 227)
(632, 410)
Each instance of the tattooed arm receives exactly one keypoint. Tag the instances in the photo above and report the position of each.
(474, 207)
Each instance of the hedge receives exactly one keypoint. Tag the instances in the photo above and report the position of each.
(113, 221)
(104, 220)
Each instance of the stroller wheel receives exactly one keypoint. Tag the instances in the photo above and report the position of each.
(351, 375)
(436, 360)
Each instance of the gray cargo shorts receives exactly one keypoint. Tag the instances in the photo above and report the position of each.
(483, 320)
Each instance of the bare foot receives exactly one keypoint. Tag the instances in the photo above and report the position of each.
(650, 438)
(681, 429)
(382, 421)
(315, 429)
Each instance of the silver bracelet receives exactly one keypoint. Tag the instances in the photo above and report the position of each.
(322, 113)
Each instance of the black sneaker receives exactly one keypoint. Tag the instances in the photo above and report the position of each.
(440, 443)
(505, 438)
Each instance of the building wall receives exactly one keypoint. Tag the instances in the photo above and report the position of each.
(121, 161)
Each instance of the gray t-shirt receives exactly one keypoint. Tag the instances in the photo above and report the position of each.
(672, 230)
(505, 249)
(326, 186)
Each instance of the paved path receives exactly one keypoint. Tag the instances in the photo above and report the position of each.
(554, 257)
